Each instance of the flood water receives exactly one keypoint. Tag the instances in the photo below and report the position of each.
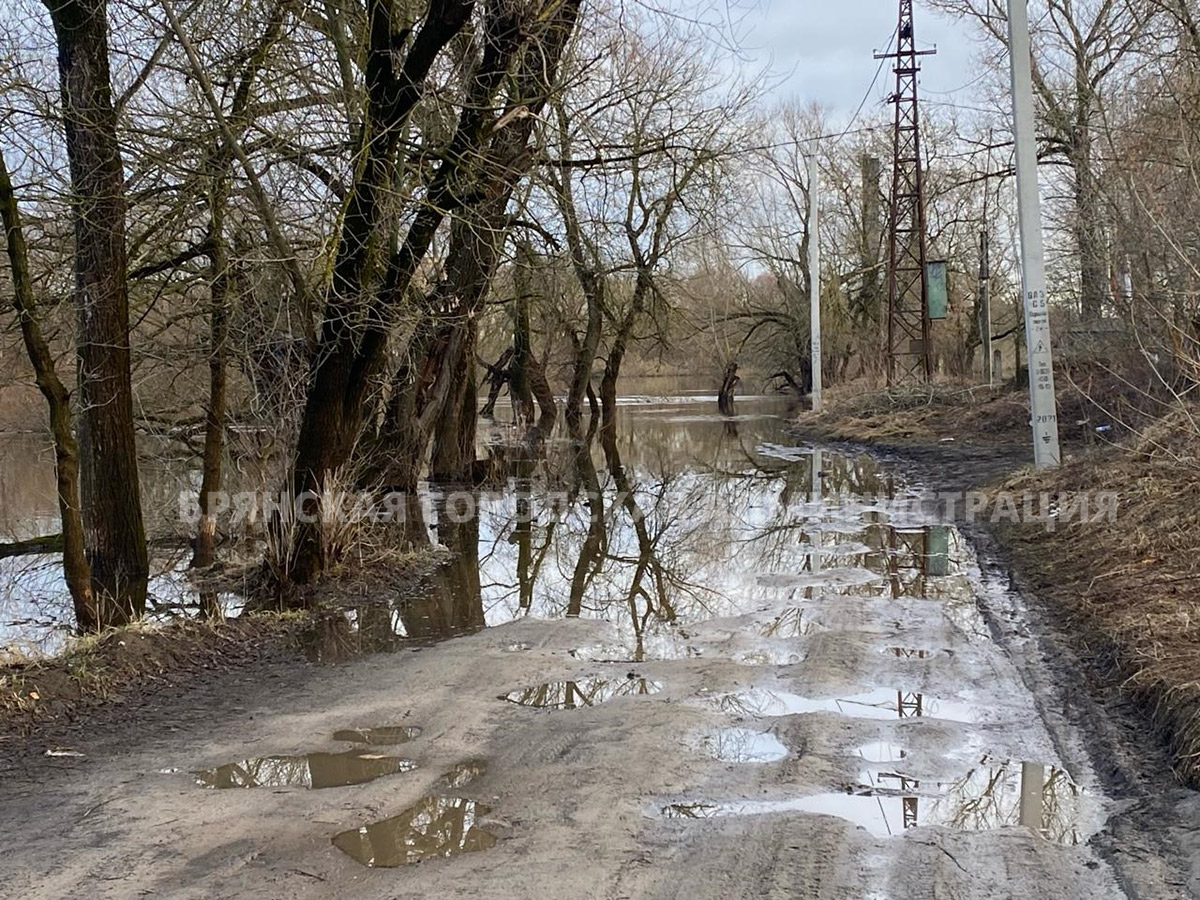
(688, 534)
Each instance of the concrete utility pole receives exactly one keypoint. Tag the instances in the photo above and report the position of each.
(985, 309)
(1042, 403)
(814, 278)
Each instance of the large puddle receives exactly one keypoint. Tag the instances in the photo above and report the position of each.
(580, 694)
(877, 704)
(432, 828)
(682, 517)
(989, 796)
(312, 770)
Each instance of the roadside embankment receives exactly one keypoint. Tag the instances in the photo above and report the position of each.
(137, 658)
(340, 617)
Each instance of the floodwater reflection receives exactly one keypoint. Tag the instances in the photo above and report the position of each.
(669, 519)
(579, 694)
(994, 794)
(434, 827)
(742, 745)
(878, 704)
(312, 770)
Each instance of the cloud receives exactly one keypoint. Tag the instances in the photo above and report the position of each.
(825, 49)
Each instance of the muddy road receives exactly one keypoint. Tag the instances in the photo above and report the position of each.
(744, 669)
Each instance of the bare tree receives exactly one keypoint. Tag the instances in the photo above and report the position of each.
(111, 495)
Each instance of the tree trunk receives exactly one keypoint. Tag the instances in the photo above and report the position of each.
(519, 382)
(453, 458)
(111, 498)
(616, 355)
(1089, 231)
(342, 373)
(204, 553)
(220, 279)
(76, 570)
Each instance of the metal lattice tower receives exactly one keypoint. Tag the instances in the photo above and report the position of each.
(909, 359)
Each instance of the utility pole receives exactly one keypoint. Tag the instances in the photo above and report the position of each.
(909, 350)
(814, 277)
(985, 309)
(1042, 404)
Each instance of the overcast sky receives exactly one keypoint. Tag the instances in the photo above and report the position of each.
(825, 48)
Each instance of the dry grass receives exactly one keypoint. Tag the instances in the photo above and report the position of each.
(120, 660)
(1133, 582)
(921, 414)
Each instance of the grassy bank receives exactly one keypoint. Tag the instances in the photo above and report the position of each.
(134, 659)
(1130, 587)
(145, 657)
(1131, 584)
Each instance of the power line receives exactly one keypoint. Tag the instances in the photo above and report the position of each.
(874, 81)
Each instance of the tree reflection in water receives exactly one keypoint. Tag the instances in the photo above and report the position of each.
(672, 518)
(989, 796)
(668, 519)
(313, 770)
(986, 798)
(579, 694)
(433, 827)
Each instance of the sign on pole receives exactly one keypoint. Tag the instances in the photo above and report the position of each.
(937, 297)
(1042, 403)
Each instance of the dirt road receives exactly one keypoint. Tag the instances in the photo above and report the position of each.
(859, 727)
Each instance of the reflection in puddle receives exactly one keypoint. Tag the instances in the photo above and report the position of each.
(313, 770)
(576, 695)
(881, 752)
(792, 622)
(668, 646)
(830, 578)
(741, 745)
(463, 774)
(880, 704)
(579, 694)
(770, 656)
(909, 653)
(431, 828)
(381, 736)
(993, 795)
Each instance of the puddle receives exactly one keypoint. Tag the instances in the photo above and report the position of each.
(463, 774)
(992, 795)
(910, 652)
(831, 578)
(383, 735)
(670, 644)
(314, 770)
(432, 828)
(881, 752)
(580, 694)
(770, 656)
(879, 704)
(741, 745)
(792, 622)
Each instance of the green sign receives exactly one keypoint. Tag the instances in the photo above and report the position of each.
(937, 550)
(935, 288)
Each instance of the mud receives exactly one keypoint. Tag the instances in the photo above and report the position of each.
(385, 735)
(771, 620)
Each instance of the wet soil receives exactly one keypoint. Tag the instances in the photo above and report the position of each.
(782, 702)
